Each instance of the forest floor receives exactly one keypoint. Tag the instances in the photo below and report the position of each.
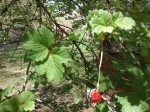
(55, 98)
(12, 70)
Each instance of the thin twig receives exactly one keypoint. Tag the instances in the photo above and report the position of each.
(26, 77)
(48, 13)
(90, 49)
(14, 51)
(40, 15)
(82, 55)
(132, 55)
(66, 27)
(78, 6)
(19, 40)
(16, 46)
(20, 37)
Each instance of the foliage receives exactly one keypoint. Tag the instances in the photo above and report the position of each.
(38, 43)
(103, 21)
(64, 40)
(132, 102)
(48, 59)
(5, 92)
(19, 103)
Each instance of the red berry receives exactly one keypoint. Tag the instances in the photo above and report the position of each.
(96, 97)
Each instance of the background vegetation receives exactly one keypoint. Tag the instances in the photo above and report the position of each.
(67, 47)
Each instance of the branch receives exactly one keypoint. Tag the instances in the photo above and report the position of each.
(82, 55)
(26, 77)
(90, 49)
(16, 46)
(48, 13)
(132, 55)
(66, 27)
(78, 6)
(40, 16)
(14, 51)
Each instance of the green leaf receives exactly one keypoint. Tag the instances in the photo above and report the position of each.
(36, 55)
(117, 15)
(99, 20)
(26, 100)
(10, 105)
(145, 52)
(62, 55)
(100, 17)
(37, 43)
(18, 103)
(76, 34)
(136, 71)
(105, 83)
(52, 67)
(40, 67)
(55, 69)
(5, 92)
(102, 107)
(27, 96)
(125, 23)
(132, 102)
(73, 36)
(99, 29)
(103, 21)
(28, 105)
(108, 29)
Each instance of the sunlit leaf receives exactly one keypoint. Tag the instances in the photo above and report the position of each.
(103, 21)
(28, 105)
(27, 96)
(100, 21)
(132, 102)
(52, 67)
(125, 23)
(37, 43)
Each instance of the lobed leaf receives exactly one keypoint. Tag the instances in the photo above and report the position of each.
(5, 92)
(52, 67)
(18, 103)
(28, 105)
(125, 23)
(37, 43)
(102, 21)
